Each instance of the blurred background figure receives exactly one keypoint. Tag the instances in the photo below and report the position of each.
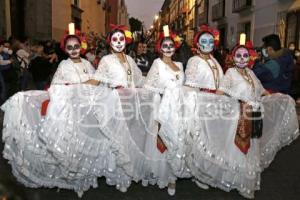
(141, 57)
(275, 71)
(41, 67)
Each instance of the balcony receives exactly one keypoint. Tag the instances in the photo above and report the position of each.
(218, 10)
(241, 5)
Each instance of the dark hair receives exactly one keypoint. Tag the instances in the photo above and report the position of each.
(71, 37)
(273, 41)
(202, 33)
(166, 38)
(113, 32)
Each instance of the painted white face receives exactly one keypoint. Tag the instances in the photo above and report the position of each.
(167, 48)
(73, 48)
(118, 42)
(241, 57)
(206, 43)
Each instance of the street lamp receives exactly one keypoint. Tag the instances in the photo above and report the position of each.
(156, 17)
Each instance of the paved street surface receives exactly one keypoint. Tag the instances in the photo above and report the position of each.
(281, 181)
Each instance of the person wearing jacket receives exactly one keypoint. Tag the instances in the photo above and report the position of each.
(275, 72)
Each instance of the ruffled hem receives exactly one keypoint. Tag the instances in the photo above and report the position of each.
(154, 89)
(111, 83)
(196, 85)
(242, 98)
(288, 131)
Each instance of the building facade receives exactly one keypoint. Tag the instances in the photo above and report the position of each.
(116, 13)
(256, 18)
(49, 19)
(183, 16)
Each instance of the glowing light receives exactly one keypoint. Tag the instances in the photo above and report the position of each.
(71, 29)
(242, 39)
(166, 31)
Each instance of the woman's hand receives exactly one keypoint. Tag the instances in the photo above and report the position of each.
(92, 82)
(220, 92)
(266, 93)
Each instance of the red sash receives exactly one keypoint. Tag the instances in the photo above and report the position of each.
(208, 90)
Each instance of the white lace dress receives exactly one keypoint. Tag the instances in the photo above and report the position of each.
(115, 74)
(161, 79)
(69, 72)
(213, 157)
(32, 162)
(203, 74)
(92, 137)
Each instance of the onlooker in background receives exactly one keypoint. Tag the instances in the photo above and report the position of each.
(5, 69)
(183, 53)
(297, 75)
(141, 58)
(22, 52)
(49, 49)
(218, 56)
(40, 68)
(292, 47)
(275, 71)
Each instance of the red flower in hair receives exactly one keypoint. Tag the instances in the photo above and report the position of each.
(252, 52)
(206, 29)
(80, 36)
(173, 36)
(127, 33)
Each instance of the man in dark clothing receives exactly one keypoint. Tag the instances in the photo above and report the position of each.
(275, 71)
(141, 58)
(40, 67)
(183, 53)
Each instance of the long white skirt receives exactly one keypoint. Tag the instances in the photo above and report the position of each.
(205, 128)
(88, 132)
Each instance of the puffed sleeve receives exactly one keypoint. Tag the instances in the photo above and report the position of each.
(59, 76)
(102, 72)
(90, 68)
(152, 80)
(226, 82)
(191, 73)
(137, 73)
(260, 88)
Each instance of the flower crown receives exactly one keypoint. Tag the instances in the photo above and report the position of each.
(123, 28)
(206, 29)
(252, 53)
(80, 36)
(170, 34)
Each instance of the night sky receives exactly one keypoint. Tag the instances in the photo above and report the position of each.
(144, 10)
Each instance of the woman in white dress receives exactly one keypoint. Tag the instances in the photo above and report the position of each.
(32, 163)
(203, 72)
(228, 150)
(165, 74)
(117, 70)
(74, 70)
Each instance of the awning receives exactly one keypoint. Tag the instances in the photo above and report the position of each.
(295, 6)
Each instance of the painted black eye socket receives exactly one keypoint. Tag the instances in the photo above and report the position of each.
(238, 55)
(166, 46)
(75, 47)
(245, 55)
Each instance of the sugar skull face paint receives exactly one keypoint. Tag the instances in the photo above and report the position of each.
(206, 43)
(167, 48)
(73, 48)
(118, 42)
(241, 57)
